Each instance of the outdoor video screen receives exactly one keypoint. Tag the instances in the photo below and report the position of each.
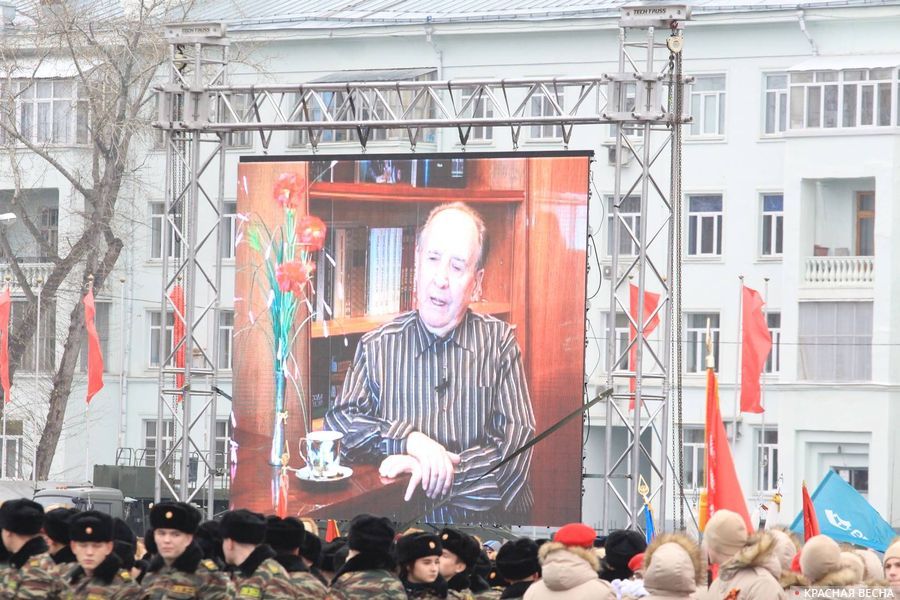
(403, 327)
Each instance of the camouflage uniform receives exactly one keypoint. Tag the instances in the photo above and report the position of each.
(31, 574)
(189, 576)
(361, 585)
(260, 577)
(109, 581)
(459, 588)
(491, 594)
(306, 585)
(437, 590)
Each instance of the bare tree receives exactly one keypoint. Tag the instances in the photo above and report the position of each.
(111, 60)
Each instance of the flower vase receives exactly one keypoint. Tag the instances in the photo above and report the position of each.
(277, 454)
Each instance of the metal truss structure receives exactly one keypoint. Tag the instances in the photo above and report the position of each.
(198, 109)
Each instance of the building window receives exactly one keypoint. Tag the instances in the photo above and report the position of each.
(850, 98)
(154, 336)
(772, 224)
(695, 338)
(241, 106)
(622, 333)
(865, 223)
(629, 218)
(228, 232)
(705, 225)
(708, 105)
(157, 225)
(544, 105)
(298, 138)
(151, 452)
(50, 111)
(835, 340)
(14, 443)
(226, 335)
(857, 477)
(773, 362)
(223, 445)
(767, 459)
(47, 342)
(776, 102)
(479, 107)
(694, 458)
(101, 320)
(50, 229)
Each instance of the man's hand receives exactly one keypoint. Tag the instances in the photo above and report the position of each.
(437, 465)
(397, 464)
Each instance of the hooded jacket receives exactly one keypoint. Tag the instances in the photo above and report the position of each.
(672, 568)
(569, 573)
(755, 571)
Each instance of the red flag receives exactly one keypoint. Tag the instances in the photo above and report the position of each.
(810, 521)
(332, 531)
(176, 296)
(5, 305)
(755, 347)
(95, 356)
(723, 490)
(651, 301)
(281, 505)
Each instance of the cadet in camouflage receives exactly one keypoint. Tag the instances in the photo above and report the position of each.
(369, 570)
(99, 574)
(286, 536)
(179, 570)
(31, 571)
(461, 552)
(257, 575)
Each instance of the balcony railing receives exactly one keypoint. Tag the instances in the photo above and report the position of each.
(33, 272)
(853, 271)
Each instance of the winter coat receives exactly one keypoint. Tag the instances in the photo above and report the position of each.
(755, 571)
(672, 568)
(569, 573)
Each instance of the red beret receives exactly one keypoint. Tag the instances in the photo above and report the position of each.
(575, 534)
(636, 562)
(795, 563)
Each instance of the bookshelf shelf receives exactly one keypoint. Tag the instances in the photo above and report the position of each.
(377, 192)
(358, 325)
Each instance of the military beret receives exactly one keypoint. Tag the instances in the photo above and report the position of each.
(311, 548)
(465, 547)
(417, 545)
(576, 534)
(56, 524)
(518, 559)
(370, 534)
(91, 526)
(284, 533)
(22, 516)
(243, 526)
(180, 516)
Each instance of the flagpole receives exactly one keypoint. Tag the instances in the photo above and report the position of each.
(737, 367)
(5, 405)
(37, 354)
(87, 447)
(762, 380)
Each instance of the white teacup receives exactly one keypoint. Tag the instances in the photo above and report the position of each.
(322, 452)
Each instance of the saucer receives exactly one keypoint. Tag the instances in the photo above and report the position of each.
(306, 474)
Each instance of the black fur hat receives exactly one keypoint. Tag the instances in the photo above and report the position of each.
(370, 534)
(56, 524)
(464, 546)
(284, 534)
(243, 526)
(311, 548)
(518, 559)
(180, 516)
(417, 545)
(22, 516)
(91, 526)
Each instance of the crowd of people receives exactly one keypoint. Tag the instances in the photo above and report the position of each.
(89, 555)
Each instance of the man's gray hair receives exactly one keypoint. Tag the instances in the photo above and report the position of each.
(476, 220)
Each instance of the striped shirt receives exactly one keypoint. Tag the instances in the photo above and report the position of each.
(467, 391)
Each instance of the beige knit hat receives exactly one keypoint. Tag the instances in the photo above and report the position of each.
(892, 552)
(784, 548)
(820, 556)
(725, 533)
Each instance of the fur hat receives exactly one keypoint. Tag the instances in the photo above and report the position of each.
(370, 535)
(725, 533)
(575, 534)
(56, 524)
(123, 533)
(180, 516)
(311, 548)
(284, 534)
(417, 545)
(243, 526)
(91, 526)
(22, 516)
(874, 570)
(821, 555)
(854, 562)
(518, 559)
(464, 546)
(334, 554)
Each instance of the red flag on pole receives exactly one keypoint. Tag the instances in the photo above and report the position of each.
(810, 521)
(332, 531)
(176, 296)
(95, 356)
(5, 305)
(651, 301)
(723, 489)
(755, 347)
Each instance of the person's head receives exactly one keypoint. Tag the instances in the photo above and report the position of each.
(892, 564)
(333, 557)
(124, 543)
(419, 557)
(372, 536)
(311, 548)
(209, 538)
(636, 565)
(174, 525)
(517, 560)
(20, 521)
(621, 546)
(820, 556)
(91, 538)
(853, 562)
(242, 531)
(724, 536)
(874, 571)
(786, 547)
(460, 553)
(672, 566)
(56, 528)
(490, 548)
(450, 255)
(285, 536)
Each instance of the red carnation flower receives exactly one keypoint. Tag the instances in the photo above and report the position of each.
(288, 191)
(311, 233)
(293, 276)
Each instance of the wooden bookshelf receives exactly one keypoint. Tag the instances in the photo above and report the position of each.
(379, 192)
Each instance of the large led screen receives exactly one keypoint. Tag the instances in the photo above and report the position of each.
(403, 326)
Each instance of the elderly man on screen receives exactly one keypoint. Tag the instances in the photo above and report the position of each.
(440, 392)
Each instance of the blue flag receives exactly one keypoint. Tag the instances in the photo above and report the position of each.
(845, 516)
(649, 529)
